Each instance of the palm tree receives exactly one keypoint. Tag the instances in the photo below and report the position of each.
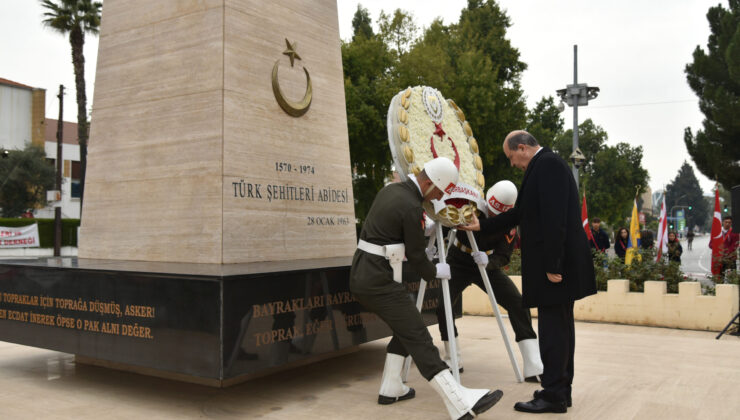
(76, 17)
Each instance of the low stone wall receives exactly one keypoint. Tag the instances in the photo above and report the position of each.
(686, 309)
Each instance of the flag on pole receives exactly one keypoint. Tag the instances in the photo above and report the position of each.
(716, 236)
(584, 218)
(662, 231)
(634, 241)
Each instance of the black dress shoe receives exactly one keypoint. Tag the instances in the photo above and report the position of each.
(484, 403)
(382, 399)
(569, 402)
(538, 405)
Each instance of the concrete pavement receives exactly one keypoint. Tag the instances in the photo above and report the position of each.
(622, 372)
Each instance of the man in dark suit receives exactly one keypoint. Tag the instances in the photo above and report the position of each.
(556, 260)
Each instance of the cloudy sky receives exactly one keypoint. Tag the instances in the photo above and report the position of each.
(634, 51)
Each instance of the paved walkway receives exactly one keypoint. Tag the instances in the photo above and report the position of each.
(622, 372)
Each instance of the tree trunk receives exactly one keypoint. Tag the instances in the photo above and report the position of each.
(77, 40)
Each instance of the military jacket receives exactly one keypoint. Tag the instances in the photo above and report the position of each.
(395, 216)
(501, 244)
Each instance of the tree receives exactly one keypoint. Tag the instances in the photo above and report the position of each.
(470, 62)
(368, 87)
(76, 17)
(486, 83)
(609, 175)
(26, 176)
(685, 191)
(362, 24)
(714, 76)
(544, 121)
(398, 31)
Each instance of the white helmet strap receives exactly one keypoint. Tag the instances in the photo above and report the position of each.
(429, 190)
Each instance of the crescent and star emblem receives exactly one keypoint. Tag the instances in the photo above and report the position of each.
(441, 133)
(294, 109)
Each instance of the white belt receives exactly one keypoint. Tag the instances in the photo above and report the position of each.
(394, 253)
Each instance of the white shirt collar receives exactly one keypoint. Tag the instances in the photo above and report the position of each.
(538, 150)
(413, 178)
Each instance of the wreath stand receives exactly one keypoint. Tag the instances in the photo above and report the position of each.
(448, 308)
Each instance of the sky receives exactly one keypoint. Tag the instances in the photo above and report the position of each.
(635, 51)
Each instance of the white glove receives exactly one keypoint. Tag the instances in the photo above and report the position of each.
(443, 271)
(430, 228)
(431, 252)
(480, 257)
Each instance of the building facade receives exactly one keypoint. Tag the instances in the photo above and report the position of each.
(23, 121)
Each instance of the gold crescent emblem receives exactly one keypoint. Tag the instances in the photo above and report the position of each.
(294, 109)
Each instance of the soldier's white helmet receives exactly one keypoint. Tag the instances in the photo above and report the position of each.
(443, 173)
(501, 197)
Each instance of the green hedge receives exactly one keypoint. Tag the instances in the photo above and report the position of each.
(46, 229)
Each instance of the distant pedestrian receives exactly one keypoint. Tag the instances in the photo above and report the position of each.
(600, 240)
(674, 248)
(728, 244)
(646, 239)
(690, 238)
(621, 243)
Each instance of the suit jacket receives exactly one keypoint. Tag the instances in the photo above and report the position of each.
(552, 237)
(395, 216)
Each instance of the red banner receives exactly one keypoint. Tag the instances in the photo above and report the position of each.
(715, 242)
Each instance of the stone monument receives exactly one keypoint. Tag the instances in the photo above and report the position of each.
(218, 225)
(219, 134)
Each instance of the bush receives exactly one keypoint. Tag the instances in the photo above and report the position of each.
(514, 268)
(641, 270)
(46, 230)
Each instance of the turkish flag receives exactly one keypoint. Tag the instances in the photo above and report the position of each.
(584, 218)
(715, 242)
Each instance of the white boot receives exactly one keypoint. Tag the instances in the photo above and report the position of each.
(448, 356)
(461, 402)
(392, 388)
(530, 350)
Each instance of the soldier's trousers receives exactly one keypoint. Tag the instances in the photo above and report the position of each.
(410, 335)
(507, 295)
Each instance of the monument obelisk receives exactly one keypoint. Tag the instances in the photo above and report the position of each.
(218, 225)
(218, 134)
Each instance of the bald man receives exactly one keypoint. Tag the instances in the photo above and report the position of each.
(556, 261)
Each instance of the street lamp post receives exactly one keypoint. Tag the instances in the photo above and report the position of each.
(575, 95)
(675, 217)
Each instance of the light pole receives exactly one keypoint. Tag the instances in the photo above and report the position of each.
(574, 95)
(675, 217)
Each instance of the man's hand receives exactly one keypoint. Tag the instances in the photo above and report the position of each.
(555, 278)
(443, 271)
(480, 257)
(431, 252)
(472, 226)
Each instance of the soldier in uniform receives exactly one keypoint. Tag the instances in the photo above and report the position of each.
(394, 227)
(464, 266)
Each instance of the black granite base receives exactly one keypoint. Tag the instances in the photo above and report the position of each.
(209, 321)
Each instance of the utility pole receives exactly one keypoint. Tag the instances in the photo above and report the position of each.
(58, 205)
(574, 95)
